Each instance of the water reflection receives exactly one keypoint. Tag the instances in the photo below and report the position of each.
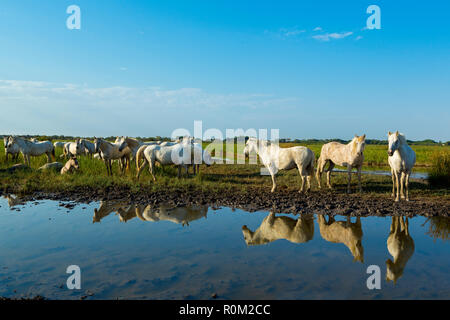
(126, 212)
(438, 227)
(14, 201)
(273, 228)
(401, 247)
(346, 232)
(212, 256)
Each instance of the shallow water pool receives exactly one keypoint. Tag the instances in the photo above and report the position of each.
(126, 251)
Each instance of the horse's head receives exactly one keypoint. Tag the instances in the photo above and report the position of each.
(360, 144)
(250, 146)
(248, 235)
(394, 142)
(96, 145)
(74, 163)
(11, 140)
(122, 143)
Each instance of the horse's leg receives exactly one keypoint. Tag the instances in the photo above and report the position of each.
(359, 179)
(274, 184)
(151, 165)
(349, 170)
(330, 168)
(141, 167)
(406, 226)
(407, 185)
(397, 182)
(49, 159)
(402, 224)
(302, 173)
(402, 183)
(106, 164)
(393, 182)
(320, 165)
(308, 179)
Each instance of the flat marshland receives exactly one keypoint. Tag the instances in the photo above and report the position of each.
(235, 184)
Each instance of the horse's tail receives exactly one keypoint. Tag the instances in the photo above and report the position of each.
(139, 155)
(53, 153)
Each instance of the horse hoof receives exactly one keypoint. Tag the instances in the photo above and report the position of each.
(396, 199)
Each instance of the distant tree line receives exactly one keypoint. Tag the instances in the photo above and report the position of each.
(426, 142)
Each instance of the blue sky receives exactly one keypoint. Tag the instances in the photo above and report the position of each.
(145, 68)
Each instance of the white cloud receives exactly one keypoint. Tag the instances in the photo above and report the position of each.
(285, 33)
(317, 29)
(79, 109)
(358, 38)
(335, 35)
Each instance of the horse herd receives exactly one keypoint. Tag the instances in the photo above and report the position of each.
(186, 152)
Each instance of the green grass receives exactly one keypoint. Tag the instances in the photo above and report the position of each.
(439, 174)
(236, 178)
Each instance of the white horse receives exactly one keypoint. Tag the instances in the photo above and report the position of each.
(73, 149)
(110, 151)
(349, 155)
(275, 158)
(164, 155)
(13, 151)
(59, 144)
(401, 159)
(89, 147)
(400, 245)
(35, 149)
(273, 228)
(181, 215)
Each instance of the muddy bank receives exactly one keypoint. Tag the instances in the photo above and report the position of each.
(282, 201)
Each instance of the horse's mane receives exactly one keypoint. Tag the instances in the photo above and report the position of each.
(402, 138)
(353, 145)
(132, 142)
(26, 141)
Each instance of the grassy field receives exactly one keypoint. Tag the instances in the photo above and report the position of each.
(236, 178)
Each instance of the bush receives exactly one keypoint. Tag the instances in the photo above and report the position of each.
(439, 175)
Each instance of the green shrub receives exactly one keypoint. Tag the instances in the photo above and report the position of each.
(439, 174)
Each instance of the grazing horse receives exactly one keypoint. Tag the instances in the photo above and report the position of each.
(349, 155)
(13, 151)
(275, 158)
(35, 149)
(179, 154)
(346, 232)
(110, 151)
(180, 215)
(401, 247)
(89, 147)
(401, 159)
(70, 166)
(274, 228)
(59, 144)
(106, 208)
(73, 149)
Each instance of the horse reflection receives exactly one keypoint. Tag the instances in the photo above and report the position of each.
(401, 247)
(274, 228)
(106, 208)
(14, 201)
(126, 212)
(346, 232)
(180, 215)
